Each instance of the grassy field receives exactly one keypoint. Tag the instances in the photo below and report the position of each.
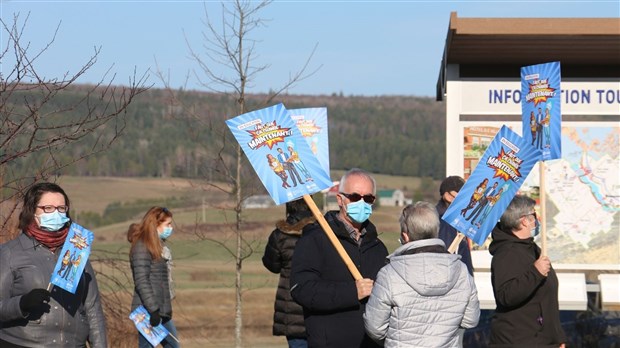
(204, 266)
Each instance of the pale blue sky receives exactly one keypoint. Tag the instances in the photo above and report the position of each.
(364, 47)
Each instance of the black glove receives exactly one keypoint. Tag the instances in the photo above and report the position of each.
(34, 298)
(155, 318)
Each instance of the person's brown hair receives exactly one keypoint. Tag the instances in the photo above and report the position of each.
(32, 198)
(147, 231)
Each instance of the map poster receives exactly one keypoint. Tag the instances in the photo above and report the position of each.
(541, 108)
(490, 188)
(312, 123)
(265, 136)
(583, 196)
(141, 319)
(73, 257)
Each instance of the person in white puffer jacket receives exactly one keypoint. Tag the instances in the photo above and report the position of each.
(424, 296)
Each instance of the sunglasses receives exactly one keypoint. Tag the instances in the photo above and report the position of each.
(534, 214)
(354, 197)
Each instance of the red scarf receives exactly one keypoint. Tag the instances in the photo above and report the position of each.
(52, 240)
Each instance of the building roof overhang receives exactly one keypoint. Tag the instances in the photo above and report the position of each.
(499, 47)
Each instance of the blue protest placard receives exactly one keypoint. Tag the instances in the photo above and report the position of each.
(541, 108)
(154, 334)
(73, 258)
(495, 180)
(312, 123)
(265, 135)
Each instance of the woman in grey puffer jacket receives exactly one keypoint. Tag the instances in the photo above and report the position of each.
(150, 271)
(424, 296)
(30, 315)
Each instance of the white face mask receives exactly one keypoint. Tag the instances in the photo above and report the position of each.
(53, 221)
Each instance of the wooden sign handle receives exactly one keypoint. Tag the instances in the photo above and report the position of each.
(332, 238)
(454, 247)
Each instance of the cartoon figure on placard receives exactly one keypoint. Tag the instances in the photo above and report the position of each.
(482, 202)
(492, 199)
(539, 128)
(66, 261)
(76, 263)
(278, 168)
(533, 127)
(69, 266)
(288, 166)
(476, 196)
(314, 145)
(545, 124)
(297, 163)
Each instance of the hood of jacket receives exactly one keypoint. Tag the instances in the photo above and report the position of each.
(294, 229)
(502, 239)
(426, 266)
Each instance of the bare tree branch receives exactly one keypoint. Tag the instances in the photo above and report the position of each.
(38, 116)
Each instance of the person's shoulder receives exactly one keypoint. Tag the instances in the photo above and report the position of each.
(138, 247)
(311, 230)
(12, 243)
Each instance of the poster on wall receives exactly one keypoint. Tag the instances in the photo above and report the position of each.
(541, 108)
(583, 196)
(273, 144)
(496, 179)
(476, 142)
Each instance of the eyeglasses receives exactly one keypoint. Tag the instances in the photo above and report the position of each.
(51, 208)
(354, 197)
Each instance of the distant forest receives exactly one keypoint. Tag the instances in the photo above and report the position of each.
(394, 135)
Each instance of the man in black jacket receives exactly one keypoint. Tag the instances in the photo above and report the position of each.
(448, 190)
(525, 285)
(333, 301)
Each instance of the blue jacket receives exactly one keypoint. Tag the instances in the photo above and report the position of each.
(323, 285)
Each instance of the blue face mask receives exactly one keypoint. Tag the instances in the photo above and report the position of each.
(53, 221)
(536, 230)
(359, 211)
(166, 233)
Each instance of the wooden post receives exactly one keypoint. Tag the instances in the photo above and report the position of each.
(543, 209)
(332, 238)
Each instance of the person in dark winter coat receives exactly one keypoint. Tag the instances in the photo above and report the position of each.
(149, 268)
(30, 314)
(288, 319)
(448, 190)
(332, 299)
(525, 285)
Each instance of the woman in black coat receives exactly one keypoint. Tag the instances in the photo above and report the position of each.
(288, 319)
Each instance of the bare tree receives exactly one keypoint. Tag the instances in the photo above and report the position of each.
(226, 65)
(34, 122)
